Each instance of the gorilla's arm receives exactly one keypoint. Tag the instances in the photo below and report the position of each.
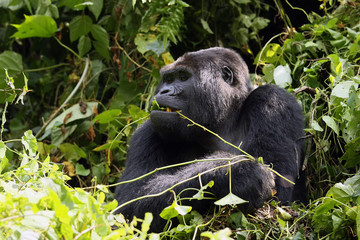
(250, 181)
(273, 124)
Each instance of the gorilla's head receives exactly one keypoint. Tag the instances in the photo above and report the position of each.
(207, 86)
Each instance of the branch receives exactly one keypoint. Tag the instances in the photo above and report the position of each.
(83, 76)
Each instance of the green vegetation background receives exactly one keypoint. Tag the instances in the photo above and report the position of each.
(76, 78)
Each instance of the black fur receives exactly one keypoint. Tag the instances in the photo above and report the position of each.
(212, 87)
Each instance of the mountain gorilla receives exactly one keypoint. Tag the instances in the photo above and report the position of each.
(212, 87)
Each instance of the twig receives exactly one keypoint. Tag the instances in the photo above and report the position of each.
(128, 56)
(83, 76)
(216, 135)
(177, 184)
(69, 49)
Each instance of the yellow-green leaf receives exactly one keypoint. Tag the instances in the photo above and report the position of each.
(36, 26)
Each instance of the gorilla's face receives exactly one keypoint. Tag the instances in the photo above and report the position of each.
(206, 86)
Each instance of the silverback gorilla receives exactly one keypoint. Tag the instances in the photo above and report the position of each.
(212, 87)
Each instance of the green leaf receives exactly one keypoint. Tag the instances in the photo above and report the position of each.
(72, 152)
(96, 8)
(3, 160)
(341, 192)
(330, 122)
(260, 23)
(136, 113)
(102, 49)
(99, 34)
(79, 26)
(30, 143)
(84, 45)
(145, 226)
(315, 125)
(282, 76)
(206, 26)
(270, 54)
(224, 234)
(342, 89)
(11, 61)
(80, 170)
(74, 113)
(73, 4)
(143, 40)
(2, 149)
(200, 194)
(36, 26)
(230, 199)
(284, 215)
(352, 153)
(111, 144)
(174, 210)
(107, 116)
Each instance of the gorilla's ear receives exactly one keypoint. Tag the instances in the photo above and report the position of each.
(227, 75)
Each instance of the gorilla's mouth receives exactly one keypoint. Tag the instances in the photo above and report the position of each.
(168, 109)
(165, 109)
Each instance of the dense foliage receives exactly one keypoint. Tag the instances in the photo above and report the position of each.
(80, 74)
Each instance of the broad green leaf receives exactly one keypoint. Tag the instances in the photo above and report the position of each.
(341, 192)
(169, 212)
(30, 143)
(72, 152)
(315, 125)
(260, 23)
(11, 61)
(330, 122)
(282, 76)
(102, 49)
(183, 210)
(281, 222)
(36, 26)
(230, 199)
(283, 214)
(136, 113)
(84, 45)
(96, 8)
(99, 34)
(268, 71)
(3, 160)
(80, 170)
(270, 54)
(157, 47)
(174, 210)
(145, 226)
(143, 40)
(352, 153)
(79, 26)
(342, 89)
(107, 116)
(73, 113)
(224, 234)
(2, 149)
(59, 135)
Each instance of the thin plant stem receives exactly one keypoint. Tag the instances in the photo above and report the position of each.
(216, 135)
(175, 185)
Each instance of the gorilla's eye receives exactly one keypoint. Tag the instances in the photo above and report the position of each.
(183, 76)
(168, 79)
(227, 75)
